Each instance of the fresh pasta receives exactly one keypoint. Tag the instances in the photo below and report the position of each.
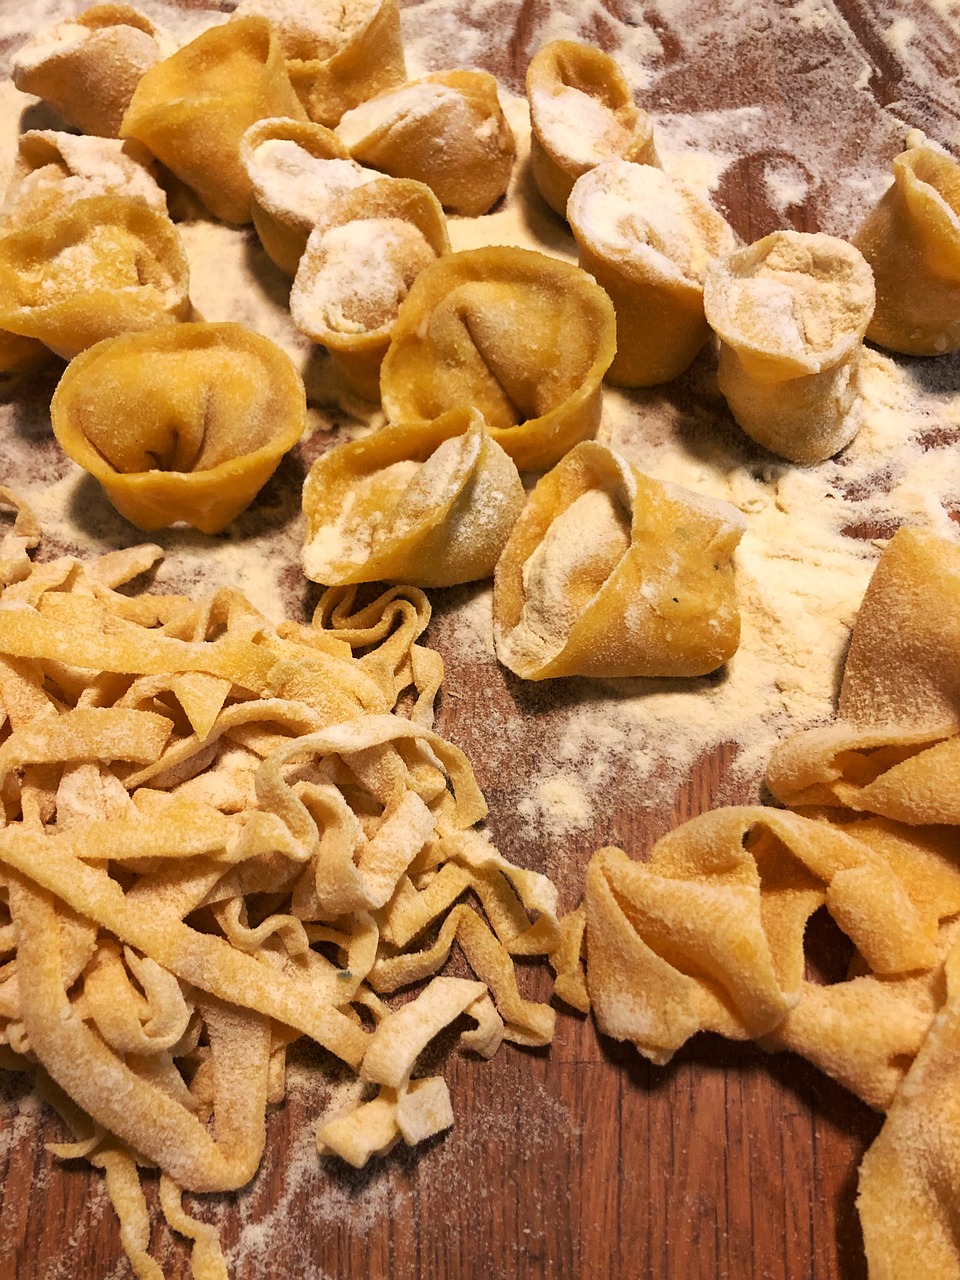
(791, 312)
(610, 573)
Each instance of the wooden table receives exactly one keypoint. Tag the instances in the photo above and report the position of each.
(583, 1161)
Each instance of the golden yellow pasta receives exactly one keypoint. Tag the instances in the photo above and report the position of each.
(791, 312)
(185, 423)
(52, 169)
(106, 265)
(361, 260)
(581, 113)
(430, 504)
(193, 109)
(209, 758)
(610, 573)
(648, 240)
(911, 240)
(88, 67)
(295, 169)
(522, 337)
(447, 130)
(338, 54)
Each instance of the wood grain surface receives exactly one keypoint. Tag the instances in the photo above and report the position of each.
(584, 1160)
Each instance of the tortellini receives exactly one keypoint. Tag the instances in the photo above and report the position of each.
(610, 573)
(89, 67)
(360, 262)
(648, 239)
(55, 168)
(430, 504)
(296, 170)
(447, 130)
(192, 109)
(523, 337)
(185, 423)
(791, 312)
(581, 113)
(912, 242)
(106, 265)
(339, 52)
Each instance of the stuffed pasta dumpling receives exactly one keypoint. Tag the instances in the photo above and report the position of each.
(360, 263)
(191, 110)
(610, 573)
(648, 239)
(185, 423)
(912, 242)
(88, 67)
(790, 312)
(523, 337)
(446, 130)
(581, 113)
(339, 52)
(106, 265)
(430, 504)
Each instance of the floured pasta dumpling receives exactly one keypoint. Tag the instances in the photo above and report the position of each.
(447, 130)
(912, 242)
(610, 573)
(296, 169)
(431, 504)
(791, 312)
(89, 66)
(360, 263)
(192, 110)
(581, 113)
(52, 169)
(185, 423)
(106, 265)
(648, 239)
(339, 52)
(523, 337)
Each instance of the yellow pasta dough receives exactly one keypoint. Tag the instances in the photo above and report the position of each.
(648, 240)
(447, 130)
(192, 109)
(581, 113)
(183, 424)
(89, 67)
(360, 262)
(522, 337)
(106, 265)
(431, 504)
(610, 573)
(339, 52)
(52, 169)
(296, 169)
(911, 240)
(791, 312)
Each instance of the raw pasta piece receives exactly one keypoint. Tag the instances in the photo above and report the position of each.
(339, 52)
(193, 109)
(909, 1182)
(89, 66)
(522, 337)
(648, 240)
(447, 130)
(430, 504)
(791, 312)
(106, 265)
(581, 114)
(52, 169)
(911, 240)
(361, 260)
(20, 356)
(186, 423)
(610, 573)
(296, 169)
